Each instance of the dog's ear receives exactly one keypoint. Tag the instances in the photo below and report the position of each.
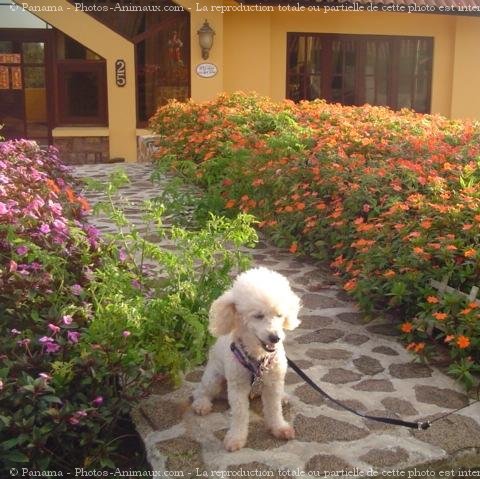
(222, 315)
(291, 318)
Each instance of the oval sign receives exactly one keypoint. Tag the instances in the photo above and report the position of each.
(207, 70)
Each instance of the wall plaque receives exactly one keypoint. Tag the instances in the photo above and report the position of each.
(207, 70)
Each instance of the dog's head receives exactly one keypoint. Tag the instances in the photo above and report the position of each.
(261, 303)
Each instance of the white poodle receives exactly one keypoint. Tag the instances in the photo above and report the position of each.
(248, 321)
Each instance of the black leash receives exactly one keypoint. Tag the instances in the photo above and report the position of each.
(420, 425)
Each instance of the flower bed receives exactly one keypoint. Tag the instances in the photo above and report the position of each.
(86, 328)
(392, 199)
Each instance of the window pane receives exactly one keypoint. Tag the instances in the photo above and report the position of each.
(294, 90)
(313, 55)
(296, 54)
(34, 77)
(33, 52)
(314, 89)
(6, 46)
(406, 70)
(82, 94)
(70, 49)
(377, 54)
(163, 68)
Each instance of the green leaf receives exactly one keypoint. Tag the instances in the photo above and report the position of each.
(6, 445)
(16, 456)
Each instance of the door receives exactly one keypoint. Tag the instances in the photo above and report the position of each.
(24, 80)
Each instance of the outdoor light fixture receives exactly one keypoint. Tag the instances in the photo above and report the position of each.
(205, 39)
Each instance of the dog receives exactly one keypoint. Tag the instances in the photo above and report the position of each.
(249, 321)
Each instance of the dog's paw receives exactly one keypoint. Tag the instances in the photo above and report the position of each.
(202, 406)
(284, 432)
(234, 443)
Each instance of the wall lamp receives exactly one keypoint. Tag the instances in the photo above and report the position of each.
(205, 39)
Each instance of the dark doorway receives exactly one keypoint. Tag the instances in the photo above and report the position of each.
(25, 76)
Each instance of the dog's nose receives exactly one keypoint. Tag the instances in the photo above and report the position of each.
(273, 338)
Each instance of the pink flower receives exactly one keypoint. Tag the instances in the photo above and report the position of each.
(55, 207)
(126, 334)
(76, 289)
(44, 229)
(136, 284)
(13, 266)
(3, 208)
(24, 342)
(98, 401)
(75, 418)
(45, 340)
(54, 328)
(73, 337)
(21, 250)
(122, 254)
(67, 319)
(45, 376)
(52, 347)
(15, 332)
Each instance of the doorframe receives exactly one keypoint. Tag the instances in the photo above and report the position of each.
(47, 37)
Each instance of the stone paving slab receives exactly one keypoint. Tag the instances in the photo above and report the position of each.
(362, 364)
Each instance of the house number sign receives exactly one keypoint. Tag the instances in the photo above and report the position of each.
(120, 73)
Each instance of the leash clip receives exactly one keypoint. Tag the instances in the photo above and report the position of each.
(423, 426)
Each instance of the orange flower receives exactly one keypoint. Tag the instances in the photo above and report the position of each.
(389, 273)
(406, 327)
(432, 299)
(463, 342)
(350, 285)
(70, 194)
(470, 253)
(467, 226)
(257, 182)
(52, 185)
(84, 204)
(419, 347)
(440, 316)
(293, 248)
(426, 224)
(288, 208)
(448, 338)
(466, 310)
(300, 206)
(230, 204)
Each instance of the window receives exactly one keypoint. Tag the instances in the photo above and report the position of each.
(81, 78)
(358, 69)
(163, 68)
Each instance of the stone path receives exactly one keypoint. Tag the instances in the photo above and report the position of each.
(361, 364)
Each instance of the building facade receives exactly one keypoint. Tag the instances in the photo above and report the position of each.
(87, 76)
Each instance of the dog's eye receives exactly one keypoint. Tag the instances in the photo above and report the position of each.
(259, 316)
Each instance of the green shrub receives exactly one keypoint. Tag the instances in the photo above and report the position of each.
(391, 198)
(89, 324)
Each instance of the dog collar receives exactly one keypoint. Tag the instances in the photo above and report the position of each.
(256, 367)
